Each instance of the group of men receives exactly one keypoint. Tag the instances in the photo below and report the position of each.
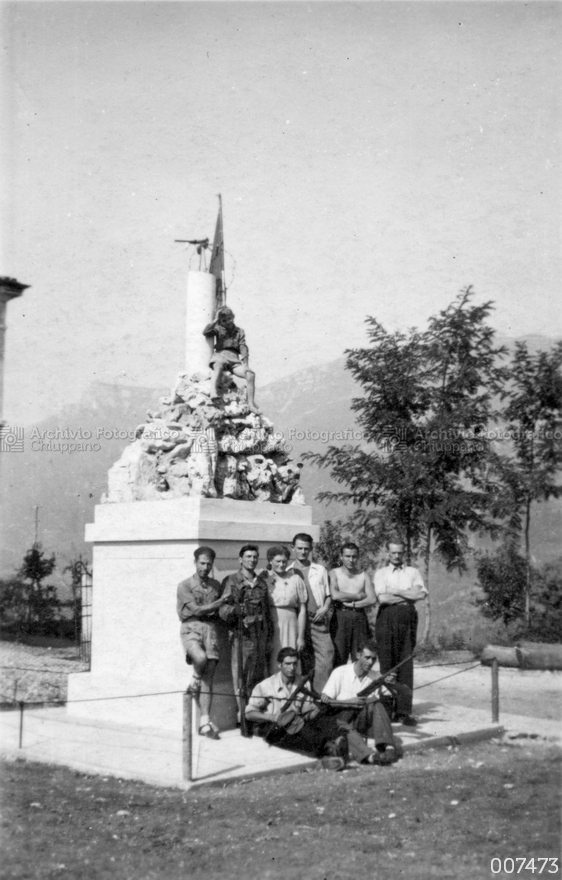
(334, 703)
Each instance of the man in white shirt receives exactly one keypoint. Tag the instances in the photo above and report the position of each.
(319, 648)
(398, 587)
(362, 716)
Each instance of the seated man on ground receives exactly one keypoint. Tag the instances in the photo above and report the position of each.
(361, 716)
(300, 727)
(198, 600)
(231, 353)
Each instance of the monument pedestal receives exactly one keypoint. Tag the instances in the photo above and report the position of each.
(142, 550)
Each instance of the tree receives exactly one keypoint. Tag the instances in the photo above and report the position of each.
(332, 535)
(502, 577)
(25, 600)
(423, 469)
(533, 414)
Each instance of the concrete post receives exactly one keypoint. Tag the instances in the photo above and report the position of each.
(200, 311)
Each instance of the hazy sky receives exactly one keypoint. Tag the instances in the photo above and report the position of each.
(373, 158)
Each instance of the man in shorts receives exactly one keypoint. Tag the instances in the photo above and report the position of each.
(199, 598)
(231, 353)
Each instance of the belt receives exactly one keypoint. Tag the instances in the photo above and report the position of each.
(340, 607)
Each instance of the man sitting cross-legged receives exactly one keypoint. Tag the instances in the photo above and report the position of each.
(361, 715)
(199, 598)
(295, 724)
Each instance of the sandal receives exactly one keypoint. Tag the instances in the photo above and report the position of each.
(209, 731)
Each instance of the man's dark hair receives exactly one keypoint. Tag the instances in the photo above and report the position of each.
(286, 652)
(246, 547)
(302, 536)
(395, 539)
(369, 644)
(205, 551)
(349, 545)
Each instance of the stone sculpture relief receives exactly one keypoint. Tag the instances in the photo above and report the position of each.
(196, 445)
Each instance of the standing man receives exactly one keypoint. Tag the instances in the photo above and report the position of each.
(300, 727)
(364, 715)
(246, 612)
(352, 591)
(198, 600)
(319, 649)
(398, 587)
(231, 353)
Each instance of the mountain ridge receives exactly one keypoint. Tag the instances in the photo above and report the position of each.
(305, 407)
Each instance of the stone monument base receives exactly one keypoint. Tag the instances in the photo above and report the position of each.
(142, 550)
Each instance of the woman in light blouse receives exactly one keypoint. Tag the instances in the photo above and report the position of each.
(287, 603)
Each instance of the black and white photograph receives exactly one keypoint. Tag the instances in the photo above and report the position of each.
(280, 439)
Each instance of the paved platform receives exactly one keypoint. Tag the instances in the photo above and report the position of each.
(155, 756)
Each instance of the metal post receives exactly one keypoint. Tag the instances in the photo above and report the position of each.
(495, 692)
(21, 705)
(187, 737)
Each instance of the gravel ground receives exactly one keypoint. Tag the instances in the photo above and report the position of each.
(35, 674)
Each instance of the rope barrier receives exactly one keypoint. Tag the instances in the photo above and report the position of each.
(46, 670)
(443, 677)
(215, 693)
(448, 663)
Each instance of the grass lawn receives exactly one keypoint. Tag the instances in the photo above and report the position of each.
(443, 814)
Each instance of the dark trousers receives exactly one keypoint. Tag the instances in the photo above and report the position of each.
(349, 630)
(398, 701)
(254, 668)
(352, 723)
(396, 629)
(312, 738)
(357, 724)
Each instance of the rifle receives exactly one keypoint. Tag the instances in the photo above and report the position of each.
(292, 723)
(378, 682)
(242, 692)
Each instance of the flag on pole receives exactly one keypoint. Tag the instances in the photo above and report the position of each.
(216, 267)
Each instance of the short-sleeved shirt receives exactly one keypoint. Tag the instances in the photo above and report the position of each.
(192, 592)
(345, 684)
(392, 579)
(270, 694)
(233, 340)
(289, 592)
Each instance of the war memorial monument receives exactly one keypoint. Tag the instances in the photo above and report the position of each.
(204, 469)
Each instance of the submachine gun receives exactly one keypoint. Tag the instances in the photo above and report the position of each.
(242, 689)
(378, 683)
(238, 607)
(289, 720)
